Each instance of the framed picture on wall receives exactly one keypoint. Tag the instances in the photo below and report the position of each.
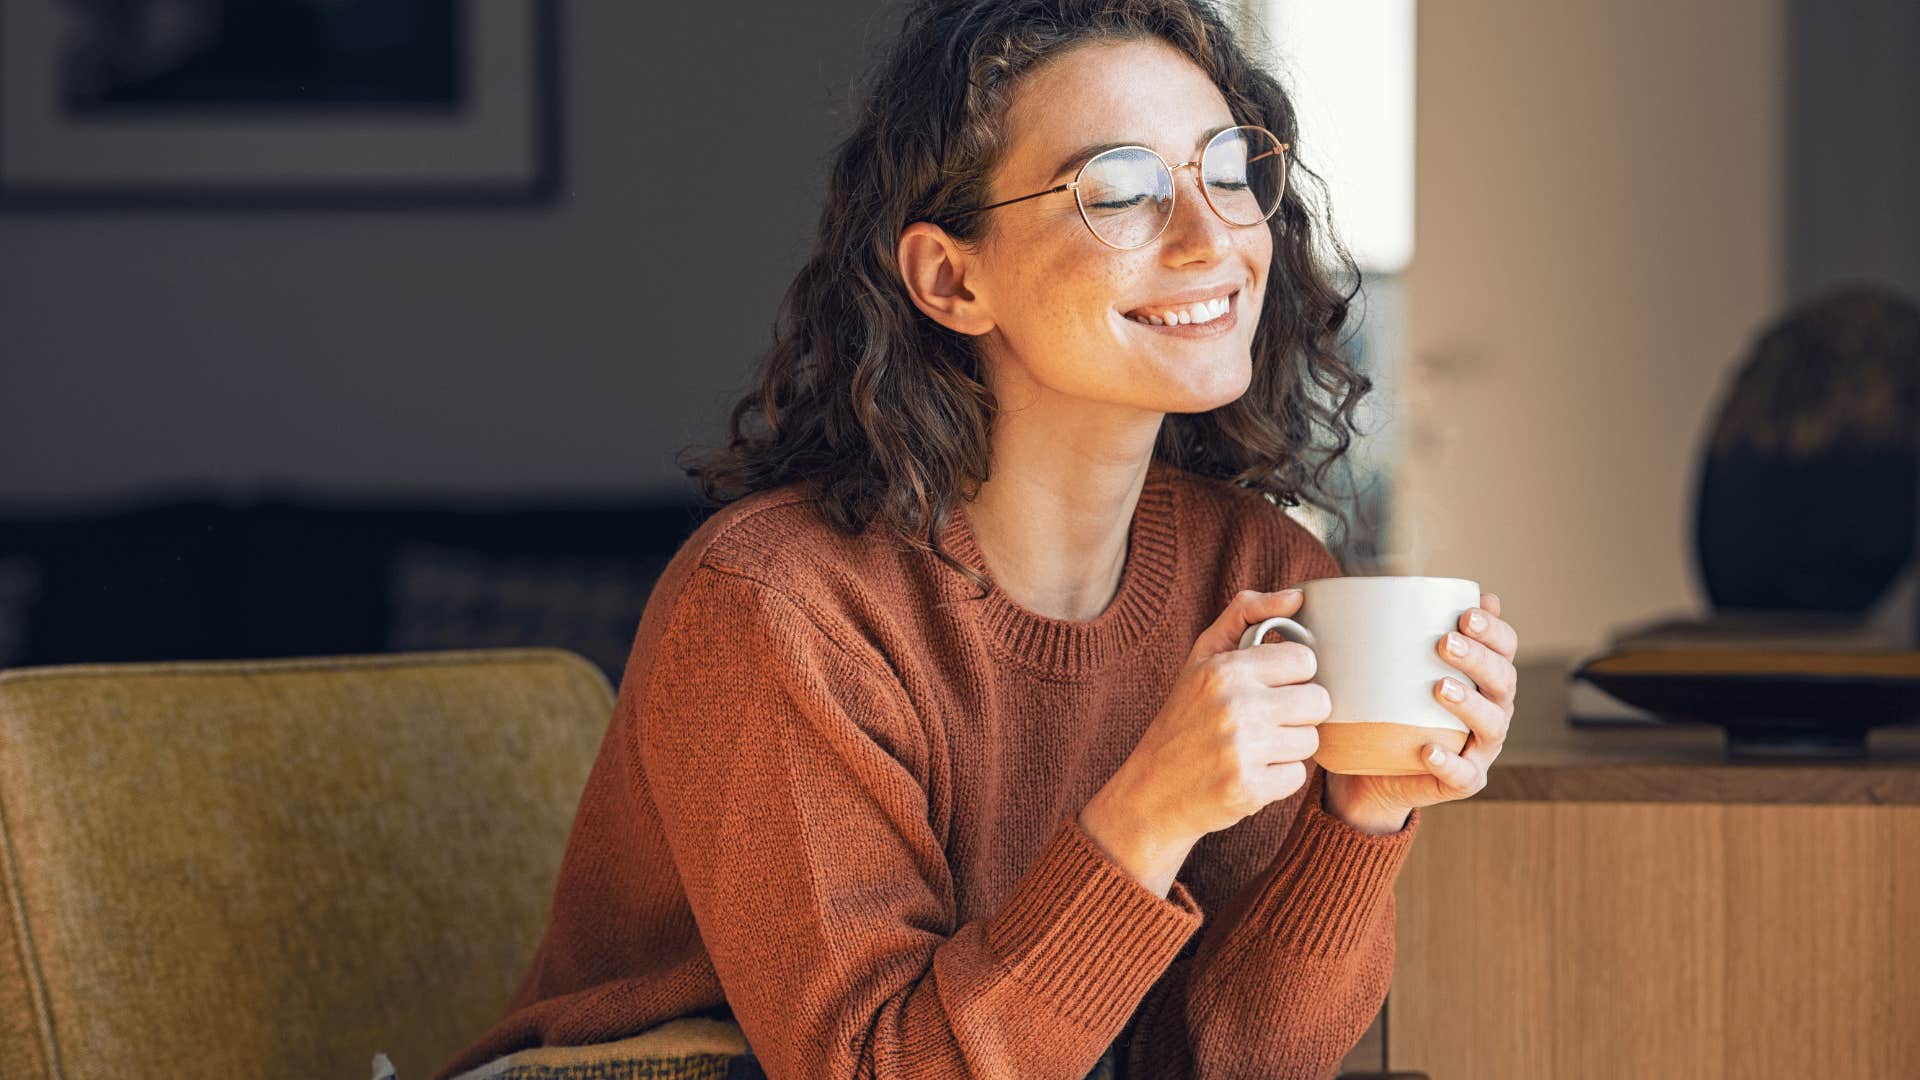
(278, 103)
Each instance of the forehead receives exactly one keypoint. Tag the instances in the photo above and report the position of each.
(1142, 91)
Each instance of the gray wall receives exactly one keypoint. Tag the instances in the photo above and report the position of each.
(1855, 119)
(570, 350)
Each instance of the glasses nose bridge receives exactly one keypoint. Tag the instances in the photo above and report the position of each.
(1199, 188)
(1173, 171)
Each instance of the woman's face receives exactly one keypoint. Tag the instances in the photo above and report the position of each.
(1052, 302)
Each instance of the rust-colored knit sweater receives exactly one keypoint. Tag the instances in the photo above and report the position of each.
(841, 797)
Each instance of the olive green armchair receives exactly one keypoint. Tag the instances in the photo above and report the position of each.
(280, 868)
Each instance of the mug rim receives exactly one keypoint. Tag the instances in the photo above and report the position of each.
(1388, 578)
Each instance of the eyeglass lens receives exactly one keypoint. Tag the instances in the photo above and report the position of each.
(1126, 194)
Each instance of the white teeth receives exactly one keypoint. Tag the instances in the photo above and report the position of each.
(1204, 311)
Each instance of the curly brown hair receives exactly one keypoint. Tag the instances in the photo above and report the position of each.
(884, 413)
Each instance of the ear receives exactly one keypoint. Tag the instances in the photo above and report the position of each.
(936, 273)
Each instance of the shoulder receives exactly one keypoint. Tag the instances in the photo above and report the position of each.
(782, 537)
(779, 544)
(813, 602)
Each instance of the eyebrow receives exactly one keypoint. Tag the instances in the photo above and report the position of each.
(1079, 157)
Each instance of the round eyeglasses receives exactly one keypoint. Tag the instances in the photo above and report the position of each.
(1126, 193)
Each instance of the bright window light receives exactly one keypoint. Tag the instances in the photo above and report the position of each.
(1349, 66)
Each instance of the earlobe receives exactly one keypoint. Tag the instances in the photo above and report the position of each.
(936, 274)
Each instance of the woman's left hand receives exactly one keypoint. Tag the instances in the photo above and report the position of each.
(1381, 803)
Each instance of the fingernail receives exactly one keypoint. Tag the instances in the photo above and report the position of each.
(1288, 594)
(1452, 691)
(1434, 755)
(1476, 621)
(1456, 645)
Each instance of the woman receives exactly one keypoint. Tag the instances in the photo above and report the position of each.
(935, 755)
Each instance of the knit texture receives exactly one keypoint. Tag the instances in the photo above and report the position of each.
(838, 800)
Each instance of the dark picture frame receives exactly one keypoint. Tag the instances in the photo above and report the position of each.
(470, 117)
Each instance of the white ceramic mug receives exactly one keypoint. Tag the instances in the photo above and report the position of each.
(1373, 640)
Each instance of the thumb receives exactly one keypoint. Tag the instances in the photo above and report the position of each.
(1247, 608)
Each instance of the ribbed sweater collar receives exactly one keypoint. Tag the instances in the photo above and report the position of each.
(1065, 648)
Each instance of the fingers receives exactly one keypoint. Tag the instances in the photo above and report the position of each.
(1457, 776)
(1292, 743)
(1300, 704)
(1247, 607)
(1485, 719)
(1287, 777)
(1492, 673)
(1493, 632)
(1279, 663)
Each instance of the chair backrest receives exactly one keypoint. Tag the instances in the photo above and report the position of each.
(279, 867)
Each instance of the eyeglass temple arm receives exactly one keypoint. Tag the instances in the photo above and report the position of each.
(1010, 202)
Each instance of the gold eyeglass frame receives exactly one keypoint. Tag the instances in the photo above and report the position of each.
(1173, 182)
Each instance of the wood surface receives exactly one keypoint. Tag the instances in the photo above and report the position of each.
(1659, 939)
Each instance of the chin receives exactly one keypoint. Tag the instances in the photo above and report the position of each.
(1224, 387)
(1206, 405)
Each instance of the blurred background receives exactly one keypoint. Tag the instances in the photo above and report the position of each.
(353, 325)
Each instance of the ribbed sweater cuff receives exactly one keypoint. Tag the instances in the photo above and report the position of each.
(1329, 880)
(1087, 935)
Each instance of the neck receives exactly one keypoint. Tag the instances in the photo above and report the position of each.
(1052, 524)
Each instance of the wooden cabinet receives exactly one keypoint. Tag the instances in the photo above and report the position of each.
(1628, 903)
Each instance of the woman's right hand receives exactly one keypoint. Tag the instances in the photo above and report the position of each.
(1234, 735)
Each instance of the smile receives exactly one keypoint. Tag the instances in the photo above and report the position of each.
(1205, 318)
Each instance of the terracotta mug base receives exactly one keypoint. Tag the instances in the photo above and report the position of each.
(1380, 749)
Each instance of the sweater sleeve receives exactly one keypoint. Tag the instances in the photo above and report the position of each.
(791, 778)
(1288, 974)
(1285, 977)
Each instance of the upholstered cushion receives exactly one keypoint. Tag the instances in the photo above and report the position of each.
(279, 867)
(689, 1049)
(694, 1048)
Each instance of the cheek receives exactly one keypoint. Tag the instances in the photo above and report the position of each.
(1259, 256)
(1069, 333)
(1069, 299)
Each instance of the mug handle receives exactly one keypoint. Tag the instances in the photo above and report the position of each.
(1289, 629)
